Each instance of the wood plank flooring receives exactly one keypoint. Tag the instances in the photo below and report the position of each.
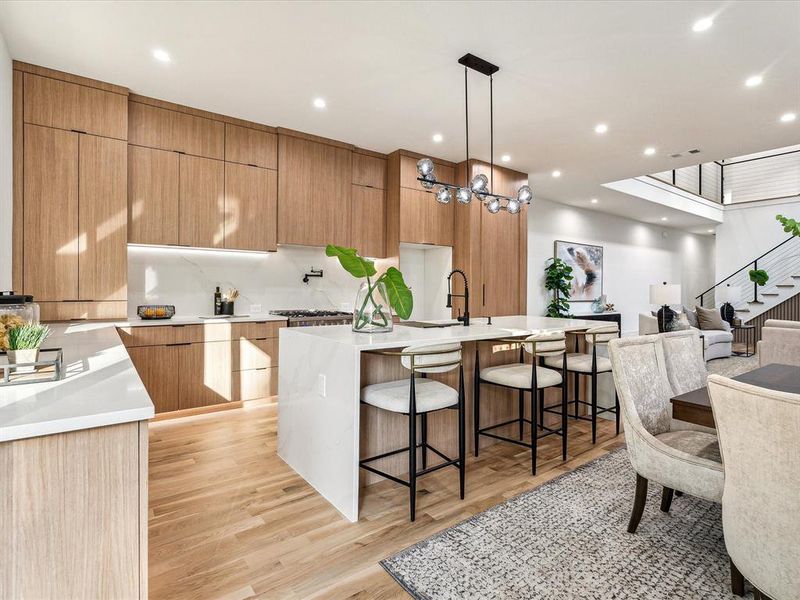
(229, 519)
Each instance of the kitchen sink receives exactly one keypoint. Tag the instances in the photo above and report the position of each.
(430, 324)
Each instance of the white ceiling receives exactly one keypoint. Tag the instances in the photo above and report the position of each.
(388, 72)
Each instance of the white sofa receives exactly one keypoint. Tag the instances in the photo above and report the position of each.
(716, 342)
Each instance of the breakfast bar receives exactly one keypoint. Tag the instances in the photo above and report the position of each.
(322, 430)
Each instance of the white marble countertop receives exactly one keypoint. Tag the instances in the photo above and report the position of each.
(100, 387)
(478, 330)
(190, 320)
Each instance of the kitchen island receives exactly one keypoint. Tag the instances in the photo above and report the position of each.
(73, 490)
(323, 429)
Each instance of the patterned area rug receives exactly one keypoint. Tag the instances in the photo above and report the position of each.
(733, 366)
(567, 540)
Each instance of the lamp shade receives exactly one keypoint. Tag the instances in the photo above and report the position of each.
(665, 293)
(729, 294)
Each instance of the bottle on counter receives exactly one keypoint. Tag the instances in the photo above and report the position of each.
(217, 302)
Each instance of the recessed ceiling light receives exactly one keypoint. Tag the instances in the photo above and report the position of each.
(703, 24)
(320, 103)
(649, 151)
(556, 173)
(710, 231)
(753, 81)
(664, 219)
(788, 117)
(593, 200)
(161, 55)
(505, 157)
(437, 137)
(600, 128)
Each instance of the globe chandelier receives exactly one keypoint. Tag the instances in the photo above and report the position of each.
(480, 186)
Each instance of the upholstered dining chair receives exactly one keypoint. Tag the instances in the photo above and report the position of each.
(678, 459)
(779, 343)
(531, 378)
(759, 438)
(590, 365)
(415, 396)
(683, 357)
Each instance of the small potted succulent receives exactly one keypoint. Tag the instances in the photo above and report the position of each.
(24, 342)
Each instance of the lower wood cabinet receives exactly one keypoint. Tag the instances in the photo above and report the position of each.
(159, 370)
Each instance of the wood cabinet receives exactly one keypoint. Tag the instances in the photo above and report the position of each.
(159, 369)
(251, 208)
(75, 216)
(205, 374)
(369, 171)
(153, 196)
(55, 103)
(248, 146)
(369, 221)
(167, 129)
(201, 202)
(314, 187)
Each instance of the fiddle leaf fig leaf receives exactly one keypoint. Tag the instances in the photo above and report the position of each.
(351, 261)
(400, 296)
(759, 276)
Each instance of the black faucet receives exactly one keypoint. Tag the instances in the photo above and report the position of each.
(314, 273)
(465, 296)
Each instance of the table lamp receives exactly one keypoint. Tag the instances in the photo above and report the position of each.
(728, 295)
(664, 294)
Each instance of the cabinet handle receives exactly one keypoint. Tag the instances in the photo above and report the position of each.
(79, 319)
(251, 165)
(180, 344)
(78, 131)
(77, 300)
(484, 294)
(177, 325)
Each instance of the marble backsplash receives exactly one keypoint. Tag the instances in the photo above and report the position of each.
(187, 278)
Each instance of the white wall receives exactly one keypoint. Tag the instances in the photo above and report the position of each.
(750, 230)
(635, 255)
(187, 278)
(6, 172)
(425, 270)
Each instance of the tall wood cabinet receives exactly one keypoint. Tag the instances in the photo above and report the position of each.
(368, 205)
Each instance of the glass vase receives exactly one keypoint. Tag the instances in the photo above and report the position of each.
(372, 312)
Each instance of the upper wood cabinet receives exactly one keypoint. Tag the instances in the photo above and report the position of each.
(202, 202)
(248, 146)
(102, 209)
(408, 173)
(251, 208)
(423, 220)
(369, 171)
(314, 188)
(369, 221)
(153, 196)
(75, 216)
(51, 213)
(54, 103)
(168, 129)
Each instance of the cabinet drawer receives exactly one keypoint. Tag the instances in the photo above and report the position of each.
(158, 335)
(254, 354)
(222, 332)
(255, 383)
(70, 106)
(80, 311)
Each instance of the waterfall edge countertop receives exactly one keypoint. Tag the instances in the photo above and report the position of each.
(100, 387)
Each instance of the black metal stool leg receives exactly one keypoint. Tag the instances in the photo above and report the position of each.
(476, 405)
(594, 406)
(462, 453)
(412, 453)
(534, 432)
(577, 383)
(541, 408)
(616, 408)
(521, 413)
(424, 426)
(564, 409)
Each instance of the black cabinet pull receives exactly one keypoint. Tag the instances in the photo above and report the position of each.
(180, 344)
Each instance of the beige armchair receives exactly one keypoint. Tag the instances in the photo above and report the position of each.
(759, 436)
(780, 343)
(678, 459)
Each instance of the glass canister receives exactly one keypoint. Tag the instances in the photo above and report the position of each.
(34, 308)
(14, 311)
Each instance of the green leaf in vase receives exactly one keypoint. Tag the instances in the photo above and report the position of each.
(351, 261)
(400, 296)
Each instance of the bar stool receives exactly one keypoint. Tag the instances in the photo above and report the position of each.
(525, 378)
(590, 365)
(419, 395)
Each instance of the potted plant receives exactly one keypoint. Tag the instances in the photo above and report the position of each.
(24, 342)
(557, 277)
(375, 300)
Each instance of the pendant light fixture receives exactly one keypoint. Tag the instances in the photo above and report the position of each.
(480, 186)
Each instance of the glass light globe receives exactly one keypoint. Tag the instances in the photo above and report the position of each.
(444, 195)
(424, 166)
(493, 206)
(525, 194)
(464, 195)
(479, 183)
(513, 206)
(430, 179)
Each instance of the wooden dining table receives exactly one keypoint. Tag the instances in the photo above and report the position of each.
(695, 406)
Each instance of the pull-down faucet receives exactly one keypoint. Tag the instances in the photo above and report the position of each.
(465, 296)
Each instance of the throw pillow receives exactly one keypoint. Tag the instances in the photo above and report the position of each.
(691, 316)
(709, 318)
(679, 323)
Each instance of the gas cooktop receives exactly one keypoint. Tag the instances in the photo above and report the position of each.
(300, 313)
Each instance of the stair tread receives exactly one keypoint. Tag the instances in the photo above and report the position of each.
(787, 285)
(755, 302)
(742, 310)
(770, 294)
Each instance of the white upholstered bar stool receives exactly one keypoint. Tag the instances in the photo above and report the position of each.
(590, 365)
(418, 396)
(524, 377)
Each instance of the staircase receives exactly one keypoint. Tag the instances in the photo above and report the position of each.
(782, 264)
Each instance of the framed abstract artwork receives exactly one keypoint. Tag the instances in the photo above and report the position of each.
(587, 269)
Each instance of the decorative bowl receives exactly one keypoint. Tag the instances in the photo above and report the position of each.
(155, 311)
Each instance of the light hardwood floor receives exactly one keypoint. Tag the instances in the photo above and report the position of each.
(229, 519)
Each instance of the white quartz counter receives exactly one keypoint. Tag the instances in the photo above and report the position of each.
(100, 387)
(189, 320)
